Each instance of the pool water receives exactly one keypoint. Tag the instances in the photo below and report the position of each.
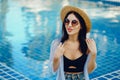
(27, 28)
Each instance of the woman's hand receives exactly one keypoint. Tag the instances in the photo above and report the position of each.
(59, 51)
(91, 46)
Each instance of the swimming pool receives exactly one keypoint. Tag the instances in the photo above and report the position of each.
(28, 27)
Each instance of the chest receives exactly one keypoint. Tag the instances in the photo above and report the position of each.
(72, 52)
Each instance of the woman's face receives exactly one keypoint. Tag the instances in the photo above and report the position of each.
(72, 24)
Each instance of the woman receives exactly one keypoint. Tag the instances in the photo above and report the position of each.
(73, 56)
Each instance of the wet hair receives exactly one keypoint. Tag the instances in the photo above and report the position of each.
(82, 33)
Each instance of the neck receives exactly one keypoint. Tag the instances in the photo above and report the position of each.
(73, 38)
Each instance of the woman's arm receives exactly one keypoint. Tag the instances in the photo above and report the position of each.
(58, 53)
(56, 62)
(92, 63)
(92, 51)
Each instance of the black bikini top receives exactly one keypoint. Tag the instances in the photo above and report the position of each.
(76, 65)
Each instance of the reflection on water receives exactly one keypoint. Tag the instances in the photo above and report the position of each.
(38, 31)
(28, 27)
(5, 45)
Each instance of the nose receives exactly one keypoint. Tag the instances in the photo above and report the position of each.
(70, 24)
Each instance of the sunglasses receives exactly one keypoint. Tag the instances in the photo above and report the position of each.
(73, 22)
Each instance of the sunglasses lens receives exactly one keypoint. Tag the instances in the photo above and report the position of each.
(67, 21)
(74, 22)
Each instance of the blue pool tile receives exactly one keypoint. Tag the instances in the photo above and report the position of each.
(3, 74)
(11, 72)
(115, 79)
(6, 69)
(20, 77)
(2, 67)
(108, 76)
(15, 75)
(0, 71)
(115, 74)
(102, 78)
(12, 79)
(111, 76)
(7, 76)
(37, 78)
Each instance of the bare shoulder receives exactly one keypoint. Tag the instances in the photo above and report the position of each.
(55, 42)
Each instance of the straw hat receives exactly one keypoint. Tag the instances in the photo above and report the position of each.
(67, 9)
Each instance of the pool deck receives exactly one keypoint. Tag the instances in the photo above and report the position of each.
(7, 73)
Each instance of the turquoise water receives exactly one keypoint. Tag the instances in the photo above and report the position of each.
(28, 27)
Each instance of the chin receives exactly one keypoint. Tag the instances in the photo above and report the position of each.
(70, 33)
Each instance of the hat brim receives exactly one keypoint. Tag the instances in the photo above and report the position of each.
(67, 9)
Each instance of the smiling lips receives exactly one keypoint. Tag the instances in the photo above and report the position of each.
(69, 29)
